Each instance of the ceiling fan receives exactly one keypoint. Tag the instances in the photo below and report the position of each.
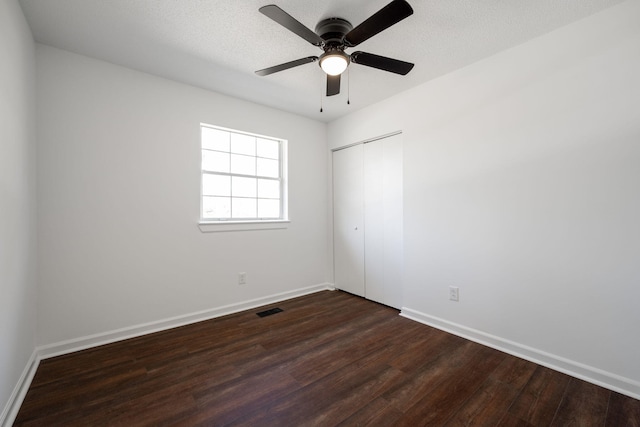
(334, 35)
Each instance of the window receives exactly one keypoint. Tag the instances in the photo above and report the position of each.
(242, 176)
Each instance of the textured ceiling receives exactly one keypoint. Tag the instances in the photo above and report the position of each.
(218, 44)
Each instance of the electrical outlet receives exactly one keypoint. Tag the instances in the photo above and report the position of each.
(242, 278)
(453, 293)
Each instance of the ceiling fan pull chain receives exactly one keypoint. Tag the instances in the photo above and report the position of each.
(321, 93)
(348, 87)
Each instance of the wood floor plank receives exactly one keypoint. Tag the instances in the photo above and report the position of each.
(340, 392)
(377, 413)
(303, 355)
(539, 400)
(328, 358)
(623, 411)
(351, 401)
(324, 400)
(444, 400)
(510, 420)
(423, 347)
(431, 375)
(161, 407)
(583, 404)
(228, 402)
(487, 406)
(78, 363)
(68, 395)
(515, 372)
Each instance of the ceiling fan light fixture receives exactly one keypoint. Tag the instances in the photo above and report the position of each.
(334, 62)
(334, 35)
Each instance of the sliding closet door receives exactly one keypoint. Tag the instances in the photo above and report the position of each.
(348, 233)
(383, 220)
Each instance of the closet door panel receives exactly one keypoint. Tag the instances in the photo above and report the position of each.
(383, 221)
(393, 221)
(348, 230)
(374, 215)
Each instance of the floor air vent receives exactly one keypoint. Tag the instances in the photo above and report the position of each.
(269, 312)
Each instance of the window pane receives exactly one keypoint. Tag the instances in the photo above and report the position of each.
(243, 208)
(268, 168)
(244, 165)
(214, 139)
(216, 207)
(268, 208)
(243, 144)
(241, 175)
(216, 185)
(215, 161)
(243, 187)
(268, 148)
(268, 189)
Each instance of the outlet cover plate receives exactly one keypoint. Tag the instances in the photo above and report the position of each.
(454, 294)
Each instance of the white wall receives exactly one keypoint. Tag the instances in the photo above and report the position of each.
(119, 182)
(17, 199)
(522, 187)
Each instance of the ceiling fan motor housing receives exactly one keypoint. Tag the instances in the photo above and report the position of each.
(332, 31)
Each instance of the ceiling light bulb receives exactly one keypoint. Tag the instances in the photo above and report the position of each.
(334, 64)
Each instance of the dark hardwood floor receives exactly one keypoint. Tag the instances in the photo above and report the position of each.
(328, 359)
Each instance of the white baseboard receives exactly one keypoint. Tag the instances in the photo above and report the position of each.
(82, 343)
(590, 374)
(12, 407)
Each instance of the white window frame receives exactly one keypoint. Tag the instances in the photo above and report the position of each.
(240, 224)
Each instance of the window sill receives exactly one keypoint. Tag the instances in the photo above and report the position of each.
(221, 226)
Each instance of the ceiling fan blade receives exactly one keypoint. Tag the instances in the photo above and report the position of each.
(286, 65)
(391, 14)
(333, 85)
(381, 62)
(290, 23)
